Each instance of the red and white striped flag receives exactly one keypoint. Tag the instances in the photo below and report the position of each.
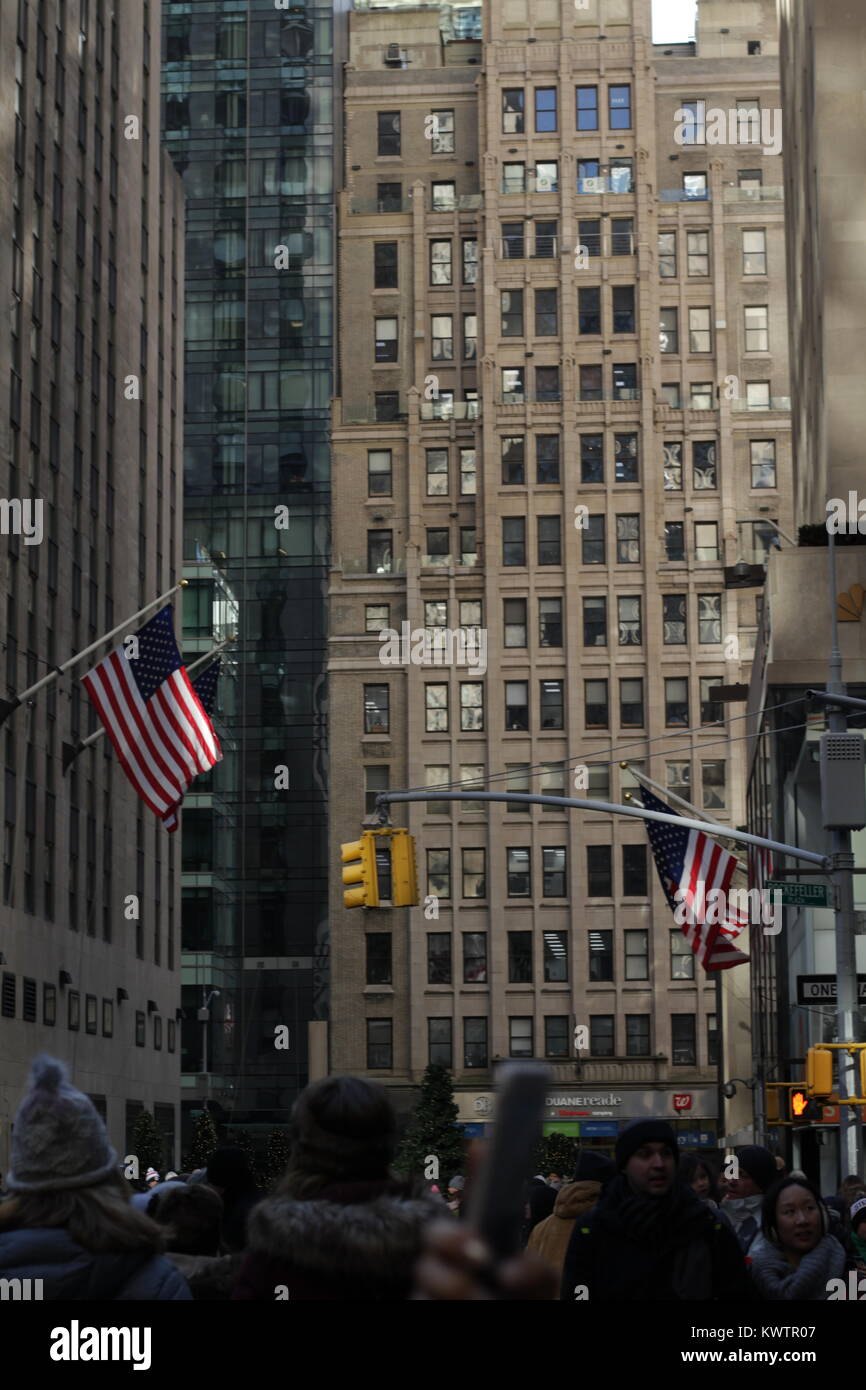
(160, 732)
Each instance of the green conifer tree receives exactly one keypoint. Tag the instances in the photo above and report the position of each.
(432, 1133)
(147, 1143)
(275, 1159)
(204, 1141)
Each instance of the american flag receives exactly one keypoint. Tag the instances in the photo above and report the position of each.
(204, 686)
(690, 861)
(152, 715)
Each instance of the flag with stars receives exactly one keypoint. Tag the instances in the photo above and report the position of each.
(204, 686)
(690, 862)
(153, 716)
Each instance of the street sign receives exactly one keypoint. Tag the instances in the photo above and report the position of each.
(682, 1102)
(821, 989)
(800, 894)
(599, 1129)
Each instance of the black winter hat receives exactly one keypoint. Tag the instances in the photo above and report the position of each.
(593, 1166)
(758, 1164)
(644, 1132)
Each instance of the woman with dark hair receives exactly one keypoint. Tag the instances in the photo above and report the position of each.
(68, 1221)
(701, 1177)
(339, 1226)
(799, 1256)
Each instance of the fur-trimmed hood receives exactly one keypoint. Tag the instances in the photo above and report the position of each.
(360, 1238)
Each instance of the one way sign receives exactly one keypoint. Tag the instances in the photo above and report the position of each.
(821, 989)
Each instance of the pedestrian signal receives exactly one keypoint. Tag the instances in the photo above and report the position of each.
(799, 1104)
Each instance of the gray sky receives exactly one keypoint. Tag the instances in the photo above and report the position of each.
(673, 20)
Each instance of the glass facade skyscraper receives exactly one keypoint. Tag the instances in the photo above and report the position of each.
(248, 101)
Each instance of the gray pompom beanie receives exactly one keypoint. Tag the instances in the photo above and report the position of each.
(59, 1140)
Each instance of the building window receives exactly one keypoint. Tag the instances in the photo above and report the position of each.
(678, 778)
(474, 1043)
(590, 385)
(556, 1035)
(470, 337)
(704, 464)
(471, 707)
(667, 254)
(713, 785)
(547, 458)
(555, 957)
(474, 958)
(513, 460)
(511, 306)
(512, 385)
(748, 121)
(547, 384)
(140, 1037)
(377, 617)
(471, 779)
(695, 186)
(596, 711)
(599, 871)
(379, 551)
(674, 620)
(549, 540)
(520, 957)
(601, 1035)
(629, 627)
(439, 958)
(636, 955)
(545, 240)
(518, 873)
(683, 1040)
(592, 540)
(628, 539)
(625, 456)
(514, 621)
(712, 708)
(437, 775)
(698, 253)
(546, 178)
(586, 102)
(619, 107)
(385, 265)
(517, 781)
(380, 1051)
(49, 1005)
(637, 1035)
(437, 472)
(757, 326)
(386, 340)
(514, 177)
(439, 873)
(444, 196)
(439, 1051)
(589, 235)
(595, 622)
(513, 112)
(388, 132)
(589, 311)
(622, 236)
(682, 957)
(701, 395)
(73, 1010)
(755, 251)
(623, 308)
(108, 1020)
(763, 462)
(440, 263)
(379, 473)
(592, 458)
(750, 180)
(709, 618)
(545, 109)
(757, 395)
(474, 873)
(377, 713)
(634, 871)
(670, 395)
(669, 340)
(700, 332)
(552, 713)
(553, 871)
(376, 780)
(443, 132)
(436, 708)
(470, 261)
(442, 337)
(28, 1000)
(90, 1021)
(631, 714)
(157, 1033)
(520, 1042)
(707, 540)
(387, 405)
(438, 547)
(692, 114)
(676, 701)
(550, 622)
(546, 313)
(712, 1041)
(514, 540)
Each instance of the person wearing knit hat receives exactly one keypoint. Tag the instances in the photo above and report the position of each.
(68, 1220)
(650, 1237)
(756, 1171)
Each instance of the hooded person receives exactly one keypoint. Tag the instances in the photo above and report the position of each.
(650, 1237)
(339, 1227)
(799, 1255)
(68, 1220)
(756, 1173)
(551, 1236)
(539, 1200)
(191, 1219)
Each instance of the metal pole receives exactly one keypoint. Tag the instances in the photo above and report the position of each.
(204, 1053)
(843, 880)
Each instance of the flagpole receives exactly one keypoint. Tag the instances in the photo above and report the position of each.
(667, 795)
(71, 751)
(8, 706)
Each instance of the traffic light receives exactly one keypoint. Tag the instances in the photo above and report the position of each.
(862, 1060)
(773, 1115)
(819, 1072)
(404, 878)
(359, 857)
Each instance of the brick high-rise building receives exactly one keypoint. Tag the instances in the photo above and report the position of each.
(562, 422)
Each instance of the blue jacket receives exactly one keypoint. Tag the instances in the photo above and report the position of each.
(70, 1272)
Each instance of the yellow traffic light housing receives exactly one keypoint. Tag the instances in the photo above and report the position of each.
(819, 1072)
(404, 877)
(772, 1098)
(359, 858)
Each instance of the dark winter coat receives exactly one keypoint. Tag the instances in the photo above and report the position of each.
(354, 1241)
(209, 1276)
(70, 1272)
(688, 1254)
(551, 1236)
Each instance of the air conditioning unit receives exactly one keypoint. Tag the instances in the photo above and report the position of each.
(395, 56)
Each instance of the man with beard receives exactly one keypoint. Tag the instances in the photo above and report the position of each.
(650, 1236)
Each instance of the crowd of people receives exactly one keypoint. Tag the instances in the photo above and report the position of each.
(648, 1224)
